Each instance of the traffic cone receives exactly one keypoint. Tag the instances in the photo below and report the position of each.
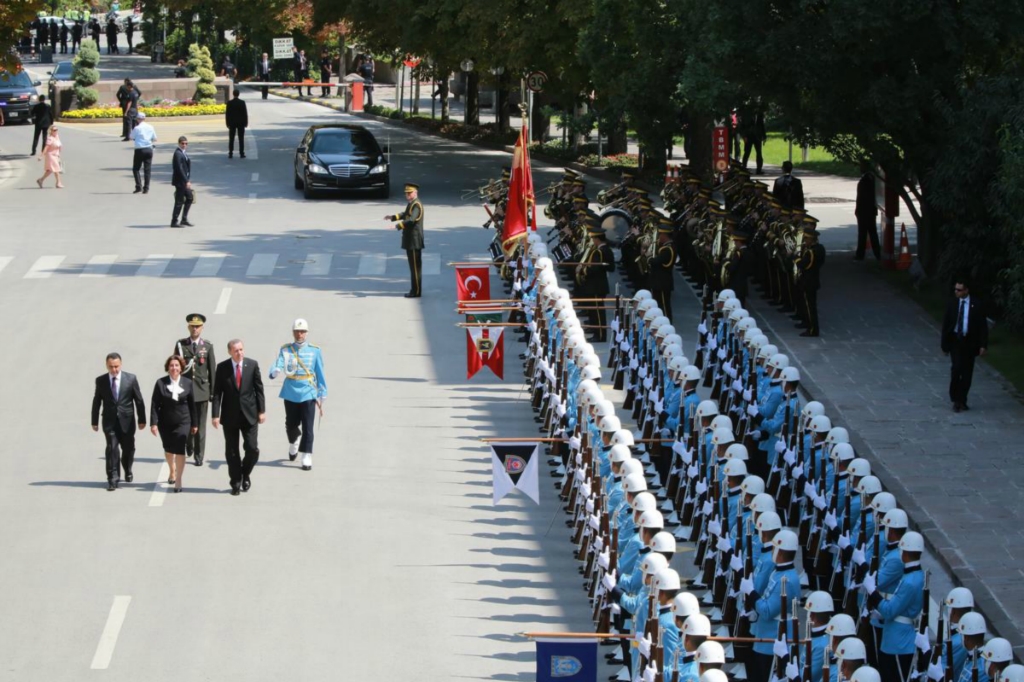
(905, 259)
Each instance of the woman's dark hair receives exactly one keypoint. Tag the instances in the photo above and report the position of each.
(181, 362)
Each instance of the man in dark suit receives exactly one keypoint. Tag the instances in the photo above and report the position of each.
(263, 67)
(128, 97)
(237, 118)
(788, 190)
(118, 392)
(964, 337)
(42, 118)
(298, 65)
(867, 213)
(181, 178)
(239, 403)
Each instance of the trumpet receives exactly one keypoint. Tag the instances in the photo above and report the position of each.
(549, 189)
(487, 189)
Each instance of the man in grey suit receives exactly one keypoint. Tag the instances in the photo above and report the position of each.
(118, 392)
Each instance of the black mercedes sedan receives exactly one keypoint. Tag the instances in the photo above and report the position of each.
(340, 157)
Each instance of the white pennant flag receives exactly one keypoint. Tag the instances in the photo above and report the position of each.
(515, 466)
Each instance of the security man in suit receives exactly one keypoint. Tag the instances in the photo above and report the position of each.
(181, 179)
(592, 279)
(263, 67)
(117, 392)
(964, 337)
(809, 265)
(303, 392)
(200, 367)
(410, 223)
(236, 117)
(660, 279)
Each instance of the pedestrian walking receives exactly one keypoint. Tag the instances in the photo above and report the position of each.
(181, 179)
(303, 391)
(236, 116)
(128, 97)
(788, 189)
(410, 223)
(867, 213)
(118, 393)
(263, 73)
(964, 338)
(239, 403)
(42, 118)
(172, 413)
(50, 156)
(144, 137)
(200, 367)
(326, 71)
(129, 33)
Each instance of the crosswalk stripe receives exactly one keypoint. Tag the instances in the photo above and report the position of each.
(262, 265)
(44, 267)
(372, 264)
(317, 265)
(154, 265)
(98, 266)
(5, 261)
(208, 265)
(431, 263)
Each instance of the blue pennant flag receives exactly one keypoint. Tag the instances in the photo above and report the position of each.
(574, 660)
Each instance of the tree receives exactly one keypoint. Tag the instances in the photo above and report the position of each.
(201, 65)
(85, 74)
(14, 18)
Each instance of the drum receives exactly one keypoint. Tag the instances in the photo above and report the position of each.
(615, 222)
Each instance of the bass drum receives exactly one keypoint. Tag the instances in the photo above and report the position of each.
(615, 222)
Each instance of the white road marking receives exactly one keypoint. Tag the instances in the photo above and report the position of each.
(252, 197)
(222, 302)
(254, 151)
(255, 177)
(5, 261)
(208, 265)
(431, 263)
(262, 265)
(319, 265)
(372, 264)
(98, 266)
(44, 267)
(154, 265)
(162, 486)
(108, 640)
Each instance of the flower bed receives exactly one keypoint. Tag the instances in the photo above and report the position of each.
(151, 112)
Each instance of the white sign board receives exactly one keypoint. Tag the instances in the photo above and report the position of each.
(283, 48)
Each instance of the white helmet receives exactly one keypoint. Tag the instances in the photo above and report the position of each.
(851, 649)
(895, 518)
(710, 652)
(725, 294)
(869, 485)
(735, 467)
(859, 467)
(591, 395)
(722, 437)
(960, 598)
(761, 504)
(865, 673)
(714, 675)
(642, 295)
(778, 361)
(837, 435)
(657, 323)
(883, 502)
(644, 501)
(745, 324)
(819, 602)
(620, 453)
(666, 579)
(812, 409)
(721, 421)
(651, 520)
(786, 541)
(635, 483)
(603, 408)
(591, 372)
(631, 467)
(588, 359)
(738, 315)
(610, 424)
(707, 408)
(790, 375)
(691, 373)
(646, 304)
(674, 340)
(671, 352)
(652, 314)
(1012, 673)
(586, 386)
(685, 605)
(676, 364)
(997, 650)
(766, 351)
(737, 451)
(697, 625)
(971, 623)
(665, 329)
(653, 563)
(752, 485)
(842, 452)
(663, 542)
(912, 542)
(623, 437)
(768, 521)
(757, 342)
(820, 424)
(731, 305)
(841, 625)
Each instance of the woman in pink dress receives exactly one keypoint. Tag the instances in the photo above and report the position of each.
(50, 156)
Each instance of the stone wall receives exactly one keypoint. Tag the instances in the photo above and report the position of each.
(151, 88)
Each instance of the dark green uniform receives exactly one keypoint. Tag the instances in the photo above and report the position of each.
(593, 283)
(661, 275)
(410, 222)
(200, 365)
(809, 264)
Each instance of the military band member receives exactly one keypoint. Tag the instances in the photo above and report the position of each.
(661, 272)
(592, 279)
(303, 392)
(200, 367)
(410, 223)
(809, 266)
(738, 264)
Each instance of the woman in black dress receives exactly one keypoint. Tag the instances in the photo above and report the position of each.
(173, 413)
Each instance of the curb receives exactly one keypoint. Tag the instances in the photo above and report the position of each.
(200, 117)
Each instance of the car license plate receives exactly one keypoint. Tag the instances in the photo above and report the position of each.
(15, 114)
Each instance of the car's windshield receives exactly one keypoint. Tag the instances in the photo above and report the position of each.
(343, 142)
(15, 80)
(63, 69)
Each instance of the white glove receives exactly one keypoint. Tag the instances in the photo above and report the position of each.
(633, 363)
(609, 581)
(736, 563)
(790, 457)
(936, 672)
(615, 324)
(679, 448)
(624, 346)
(737, 386)
(809, 490)
(858, 556)
(844, 541)
(869, 583)
(922, 642)
(798, 471)
(752, 409)
(722, 355)
(645, 647)
(594, 522)
(650, 672)
(830, 520)
(746, 586)
(590, 506)
(819, 502)
(642, 373)
(701, 486)
(714, 527)
(724, 544)
(517, 285)
(604, 558)
(747, 395)
(780, 649)
(756, 434)
(659, 406)
(702, 328)
(792, 671)
(575, 443)
(780, 447)
(706, 508)
(648, 382)
(712, 343)
(616, 609)
(598, 544)
(579, 461)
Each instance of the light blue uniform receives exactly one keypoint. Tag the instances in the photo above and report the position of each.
(670, 407)
(629, 554)
(684, 416)
(308, 381)
(959, 654)
(688, 669)
(773, 425)
(763, 567)
(819, 640)
(970, 663)
(670, 638)
(899, 611)
(890, 571)
(769, 606)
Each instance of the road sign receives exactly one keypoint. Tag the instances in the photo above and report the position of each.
(536, 80)
(720, 148)
(283, 48)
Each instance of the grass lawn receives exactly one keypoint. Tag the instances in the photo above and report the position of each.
(776, 150)
(1006, 348)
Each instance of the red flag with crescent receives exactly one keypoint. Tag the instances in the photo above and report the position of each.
(521, 212)
(473, 283)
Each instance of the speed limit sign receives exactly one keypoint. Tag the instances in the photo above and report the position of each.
(536, 80)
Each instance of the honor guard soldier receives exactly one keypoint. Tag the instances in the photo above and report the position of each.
(592, 280)
(809, 266)
(410, 223)
(200, 367)
(304, 390)
(660, 280)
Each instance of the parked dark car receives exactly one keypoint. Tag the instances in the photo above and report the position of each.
(341, 157)
(17, 96)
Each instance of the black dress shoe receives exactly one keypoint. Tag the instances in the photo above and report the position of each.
(235, 490)
(810, 334)
(177, 490)
(185, 223)
(956, 407)
(138, 190)
(291, 457)
(242, 155)
(198, 459)
(129, 477)
(111, 485)
(412, 295)
(964, 407)
(145, 191)
(246, 484)
(306, 467)
(230, 155)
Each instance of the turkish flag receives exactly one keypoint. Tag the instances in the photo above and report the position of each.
(521, 211)
(485, 347)
(473, 283)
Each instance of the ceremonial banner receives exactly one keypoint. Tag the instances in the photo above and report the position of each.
(485, 347)
(515, 466)
(521, 212)
(473, 283)
(574, 660)
(492, 318)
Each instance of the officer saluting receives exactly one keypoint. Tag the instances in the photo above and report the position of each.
(200, 366)
(304, 390)
(410, 222)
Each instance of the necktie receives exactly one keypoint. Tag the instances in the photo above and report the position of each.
(238, 376)
(113, 387)
(960, 319)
